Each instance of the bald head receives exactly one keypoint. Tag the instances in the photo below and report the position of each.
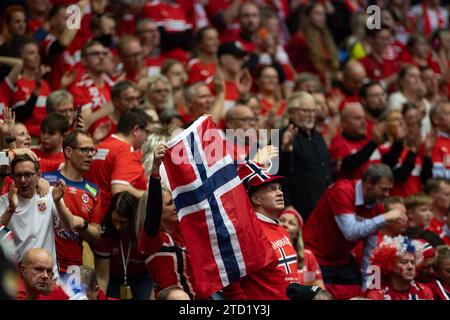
(353, 120)
(354, 76)
(36, 268)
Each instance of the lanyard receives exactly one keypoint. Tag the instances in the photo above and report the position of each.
(125, 262)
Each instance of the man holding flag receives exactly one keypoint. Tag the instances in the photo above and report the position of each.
(225, 239)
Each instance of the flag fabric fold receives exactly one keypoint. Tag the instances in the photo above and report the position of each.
(217, 221)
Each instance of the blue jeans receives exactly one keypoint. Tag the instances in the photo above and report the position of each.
(141, 286)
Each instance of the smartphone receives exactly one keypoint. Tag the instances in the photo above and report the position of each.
(78, 116)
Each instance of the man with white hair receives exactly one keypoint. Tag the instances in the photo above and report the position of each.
(304, 157)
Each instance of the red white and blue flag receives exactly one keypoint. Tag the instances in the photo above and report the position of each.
(217, 221)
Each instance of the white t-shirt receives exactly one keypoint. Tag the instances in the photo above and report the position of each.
(33, 224)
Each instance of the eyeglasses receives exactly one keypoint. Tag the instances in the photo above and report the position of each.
(26, 175)
(86, 150)
(147, 131)
(97, 53)
(246, 120)
(307, 110)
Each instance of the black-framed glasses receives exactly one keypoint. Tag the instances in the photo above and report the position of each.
(26, 175)
(147, 131)
(86, 150)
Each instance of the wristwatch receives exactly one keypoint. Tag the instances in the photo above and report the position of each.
(85, 225)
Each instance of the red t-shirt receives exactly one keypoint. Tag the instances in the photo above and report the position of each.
(417, 291)
(413, 184)
(441, 290)
(267, 106)
(167, 262)
(22, 92)
(440, 155)
(269, 283)
(200, 71)
(436, 226)
(321, 233)
(56, 157)
(378, 71)
(88, 94)
(311, 270)
(116, 163)
(171, 16)
(83, 200)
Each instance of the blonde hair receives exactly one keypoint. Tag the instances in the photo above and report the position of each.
(150, 84)
(417, 200)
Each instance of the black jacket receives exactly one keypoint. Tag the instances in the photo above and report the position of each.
(307, 170)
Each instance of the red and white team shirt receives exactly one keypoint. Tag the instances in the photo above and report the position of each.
(310, 271)
(440, 156)
(269, 283)
(56, 157)
(416, 291)
(347, 98)
(440, 289)
(376, 70)
(171, 16)
(88, 94)
(200, 71)
(167, 261)
(116, 163)
(21, 93)
(276, 108)
(108, 247)
(83, 200)
(321, 233)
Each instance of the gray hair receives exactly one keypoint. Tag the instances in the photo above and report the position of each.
(142, 22)
(375, 172)
(56, 98)
(436, 108)
(191, 92)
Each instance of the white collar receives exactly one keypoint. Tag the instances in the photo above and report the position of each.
(359, 198)
(264, 218)
(443, 134)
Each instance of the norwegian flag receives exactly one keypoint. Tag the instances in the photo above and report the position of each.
(217, 221)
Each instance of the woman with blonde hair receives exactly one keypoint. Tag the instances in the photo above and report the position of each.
(157, 94)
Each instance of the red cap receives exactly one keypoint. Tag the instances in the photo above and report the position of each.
(253, 175)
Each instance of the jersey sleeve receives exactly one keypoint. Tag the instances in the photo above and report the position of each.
(126, 169)
(149, 245)
(97, 214)
(341, 201)
(103, 248)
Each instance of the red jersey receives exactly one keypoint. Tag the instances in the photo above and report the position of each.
(341, 147)
(348, 98)
(416, 291)
(440, 156)
(441, 290)
(407, 58)
(200, 71)
(278, 108)
(82, 199)
(171, 16)
(116, 163)
(56, 157)
(310, 271)
(413, 184)
(24, 89)
(168, 261)
(108, 247)
(269, 283)
(112, 130)
(436, 226)
(88, 94)
(376, 70)
(321, 233)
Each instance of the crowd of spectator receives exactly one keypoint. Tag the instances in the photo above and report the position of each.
(360, 101)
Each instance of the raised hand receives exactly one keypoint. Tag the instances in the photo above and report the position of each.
(12, 197)
(429, 142)
(264, 155)
(58, 190)
(7, 123)
(42, 187)
(244, 83)
(68, 77)
(288, 138)
(101, 131)
(158, 156)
